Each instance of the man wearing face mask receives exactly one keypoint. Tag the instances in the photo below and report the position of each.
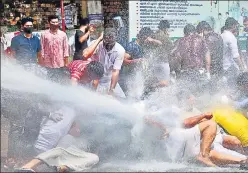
(54, 50)
(111, 55)
(26, 47)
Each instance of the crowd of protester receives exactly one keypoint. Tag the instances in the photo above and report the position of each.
(195, 64)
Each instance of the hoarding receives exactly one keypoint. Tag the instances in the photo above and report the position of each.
(145, 13)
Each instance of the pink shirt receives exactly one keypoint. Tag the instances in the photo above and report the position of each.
(54, 47)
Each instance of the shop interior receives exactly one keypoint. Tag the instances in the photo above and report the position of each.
(12, 11)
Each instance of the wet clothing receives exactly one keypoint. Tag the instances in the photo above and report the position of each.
(26, 49)
(122, 37)
(111, 60)
(163, 51)
(128, 72)
(189, 63)
(135, 50)
(73, 152)
(230, 54)
(77, 69)
(79, 47)
(161, 58)
(191, 52)
(230, 50)
(51, 132)
(23, 112)
(71, 157)
(183, 144)
(215, 45)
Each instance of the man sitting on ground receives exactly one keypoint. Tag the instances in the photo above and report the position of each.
(223, 142)
(60, 146)
(193, 140)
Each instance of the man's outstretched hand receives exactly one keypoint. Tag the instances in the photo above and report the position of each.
(56, 117)
(208, 115)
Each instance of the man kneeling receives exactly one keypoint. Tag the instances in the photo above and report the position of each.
(60, 146)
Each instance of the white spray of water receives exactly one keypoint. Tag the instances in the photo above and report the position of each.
(14, 77)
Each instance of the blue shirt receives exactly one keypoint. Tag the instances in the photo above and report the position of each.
(122, 38)
(25, 48)
(134, 50)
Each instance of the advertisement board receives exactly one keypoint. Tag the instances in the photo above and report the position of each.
(181, 12)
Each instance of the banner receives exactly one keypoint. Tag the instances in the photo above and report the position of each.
(181, 12)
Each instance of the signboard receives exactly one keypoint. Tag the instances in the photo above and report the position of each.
(181, 12)
(70, 15)
(95, 17)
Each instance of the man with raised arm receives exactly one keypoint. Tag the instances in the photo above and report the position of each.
(111, 55)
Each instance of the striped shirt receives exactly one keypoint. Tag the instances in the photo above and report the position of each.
(77, 69)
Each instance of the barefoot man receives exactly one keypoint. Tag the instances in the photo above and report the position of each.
(191, 140)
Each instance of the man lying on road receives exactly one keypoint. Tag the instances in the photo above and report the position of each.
(192, 140)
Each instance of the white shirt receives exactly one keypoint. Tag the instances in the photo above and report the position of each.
(111, 60)
(230, 50)
(219, 23)
(51, 132)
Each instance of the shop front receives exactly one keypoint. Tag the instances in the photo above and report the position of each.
(14, 10)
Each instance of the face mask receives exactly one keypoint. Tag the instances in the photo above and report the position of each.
(28, 30)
